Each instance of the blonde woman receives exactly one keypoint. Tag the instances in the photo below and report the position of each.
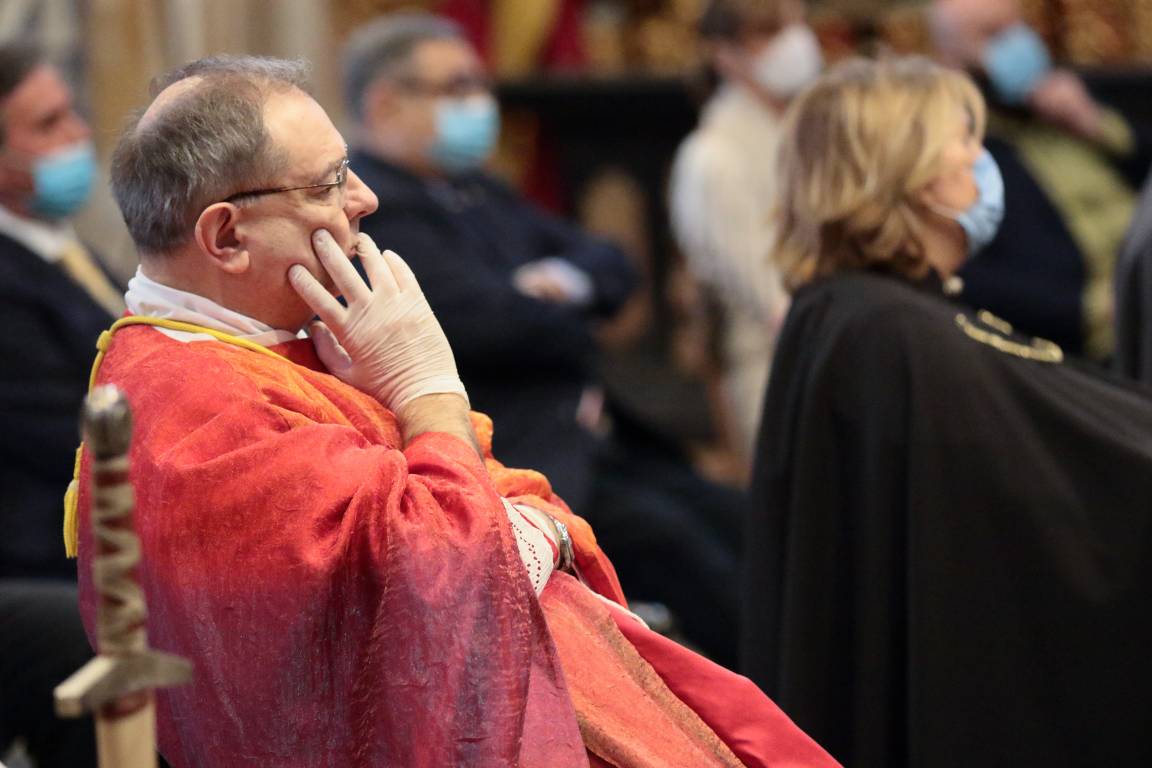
(950, 553)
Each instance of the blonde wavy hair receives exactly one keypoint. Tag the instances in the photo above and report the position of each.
(858, 146)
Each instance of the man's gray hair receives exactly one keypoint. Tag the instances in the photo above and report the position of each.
(384, 48)
(208, 144)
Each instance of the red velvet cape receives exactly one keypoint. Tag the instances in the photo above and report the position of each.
(348, 602)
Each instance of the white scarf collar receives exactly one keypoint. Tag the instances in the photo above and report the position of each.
(147, 297)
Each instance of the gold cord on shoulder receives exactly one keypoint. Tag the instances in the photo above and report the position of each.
(72, 495)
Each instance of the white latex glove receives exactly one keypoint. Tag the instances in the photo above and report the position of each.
(386, 342)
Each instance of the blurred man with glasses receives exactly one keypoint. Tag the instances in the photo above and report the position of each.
(518, 292)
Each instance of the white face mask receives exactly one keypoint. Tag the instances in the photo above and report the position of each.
(791, 61)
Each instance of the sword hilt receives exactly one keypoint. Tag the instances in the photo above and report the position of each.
(125, 665)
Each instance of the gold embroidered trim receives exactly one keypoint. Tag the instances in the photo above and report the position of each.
(1041, 350)
(998, 323)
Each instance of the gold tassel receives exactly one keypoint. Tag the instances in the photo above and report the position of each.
(72, 509)
(72, 495)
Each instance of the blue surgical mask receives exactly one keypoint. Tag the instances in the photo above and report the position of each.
(1016, 61)
(466, 131)
(981, 221)
(63, 180)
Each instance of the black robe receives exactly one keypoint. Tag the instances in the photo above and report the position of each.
(950, 545)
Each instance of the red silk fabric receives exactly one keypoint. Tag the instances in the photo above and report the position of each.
(347, 602)
(750, 723)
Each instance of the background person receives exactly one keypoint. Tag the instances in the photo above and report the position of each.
(1070, 166)
(520, 294)
(725, 184)
(55, 299)
(948, 561)
(1134, 296)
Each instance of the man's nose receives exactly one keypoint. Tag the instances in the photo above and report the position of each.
(359, 200)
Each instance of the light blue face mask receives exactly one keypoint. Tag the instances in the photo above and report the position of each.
(466, 131)
(63, 180)
(1016, 61)
(981, 221)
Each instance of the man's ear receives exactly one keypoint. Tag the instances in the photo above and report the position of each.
(219, 235)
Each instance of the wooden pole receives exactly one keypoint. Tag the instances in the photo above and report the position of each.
(117, 685)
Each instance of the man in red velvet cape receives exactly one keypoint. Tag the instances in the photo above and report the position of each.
(325, 531)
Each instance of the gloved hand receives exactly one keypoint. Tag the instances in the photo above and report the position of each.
(386, 342)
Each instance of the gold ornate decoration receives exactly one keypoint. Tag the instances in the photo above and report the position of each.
(998, 323)
(1040, 350)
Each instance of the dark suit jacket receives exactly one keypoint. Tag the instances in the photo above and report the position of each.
(525, 362)
(48, 332)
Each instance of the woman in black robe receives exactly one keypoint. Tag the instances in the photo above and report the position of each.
(949, 559)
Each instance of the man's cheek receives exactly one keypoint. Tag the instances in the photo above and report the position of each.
(311, 263)
(346, 239)
(339, 229)
(324, 278)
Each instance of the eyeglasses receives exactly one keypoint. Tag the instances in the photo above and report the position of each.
(341, 178)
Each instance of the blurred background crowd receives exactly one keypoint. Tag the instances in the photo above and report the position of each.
(595, 96)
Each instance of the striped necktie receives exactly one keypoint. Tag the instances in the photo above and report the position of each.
(78, 264)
